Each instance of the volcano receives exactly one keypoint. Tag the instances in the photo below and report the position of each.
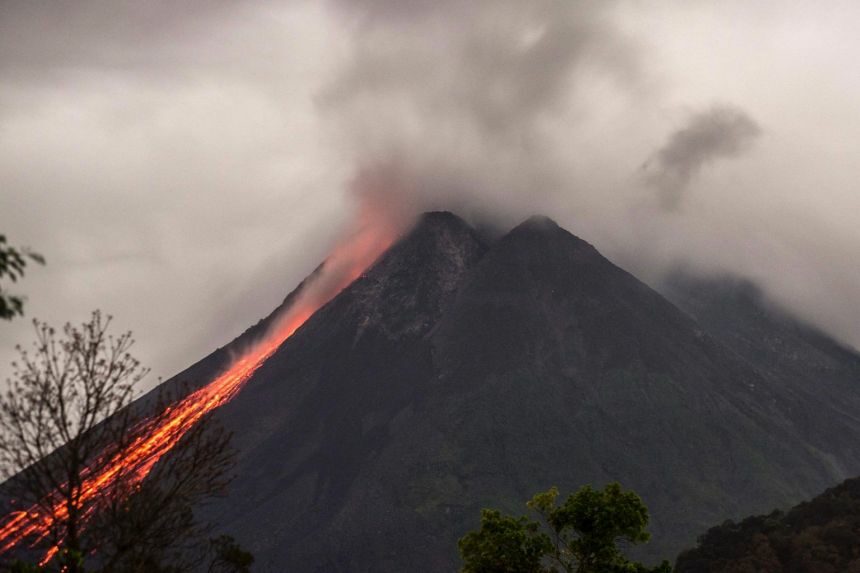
(462, 371)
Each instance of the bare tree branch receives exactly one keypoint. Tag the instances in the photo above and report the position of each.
(68, 416)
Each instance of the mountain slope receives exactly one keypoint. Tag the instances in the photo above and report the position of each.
(457, 374)
(326, 404)
(809, 372)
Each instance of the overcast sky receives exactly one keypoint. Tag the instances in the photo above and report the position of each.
(182, 166)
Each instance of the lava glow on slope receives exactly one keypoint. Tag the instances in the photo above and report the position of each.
(155, 438)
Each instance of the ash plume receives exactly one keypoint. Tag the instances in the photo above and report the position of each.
(721, 132)
(452, 103)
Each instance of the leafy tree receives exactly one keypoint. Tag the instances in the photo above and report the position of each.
(12, 264)
(229, 557)
(821, 535)
(505, 544)
(582, 535)
(68, 414)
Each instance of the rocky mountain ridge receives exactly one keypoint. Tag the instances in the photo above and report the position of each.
(460, 373)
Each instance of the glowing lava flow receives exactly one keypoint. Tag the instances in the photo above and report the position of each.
(156, 438)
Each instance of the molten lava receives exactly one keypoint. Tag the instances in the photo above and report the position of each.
(153, 439)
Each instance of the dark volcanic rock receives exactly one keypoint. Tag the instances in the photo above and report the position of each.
(815, 379)
(316, 418)
(456, 375)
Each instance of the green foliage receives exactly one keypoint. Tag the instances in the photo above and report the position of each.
(71, 560)
(820, 536)
(23, 567)
(504, 544)
(589, 523)
(68, 560)
(12, 264)
(579, 536)
(228, 556)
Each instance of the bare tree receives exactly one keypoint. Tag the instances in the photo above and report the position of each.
(67, 428)
(54, 421)
(150, 526)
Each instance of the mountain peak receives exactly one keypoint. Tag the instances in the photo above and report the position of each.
(441, 221)
(439, 217)
(539, 222)
(539, 233)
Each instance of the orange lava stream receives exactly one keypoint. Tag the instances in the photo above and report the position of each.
(156, 438)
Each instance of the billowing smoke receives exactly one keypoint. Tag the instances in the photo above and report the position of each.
(448, 104)
(721, 132)
(375, 226)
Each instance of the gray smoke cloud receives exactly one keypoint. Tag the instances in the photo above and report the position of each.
(458, 101)
(720, 132)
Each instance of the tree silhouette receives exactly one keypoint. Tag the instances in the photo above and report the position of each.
(68, 414)
(12, 264)
(582, 535)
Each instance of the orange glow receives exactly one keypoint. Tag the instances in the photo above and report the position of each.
(154, 438)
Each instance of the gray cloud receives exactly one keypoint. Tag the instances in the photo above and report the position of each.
(183, 166)
(459, 99)
(166, 161)
(720, 132)
(42, 37)
(497, 67)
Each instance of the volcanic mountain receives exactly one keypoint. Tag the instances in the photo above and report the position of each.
(461, 372)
